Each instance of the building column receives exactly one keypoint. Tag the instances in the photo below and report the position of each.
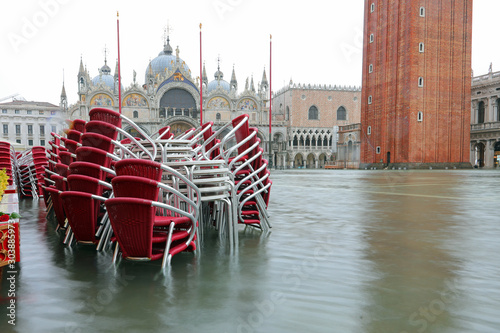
(495, 109)
(491, 115)
(489, 153)
(472, 153)
(473, 106)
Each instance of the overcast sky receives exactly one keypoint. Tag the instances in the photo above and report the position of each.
(314, 41)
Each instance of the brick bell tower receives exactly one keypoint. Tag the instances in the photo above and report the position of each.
(416, 92)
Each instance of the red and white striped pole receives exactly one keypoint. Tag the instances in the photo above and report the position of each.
(201, 86)
(270, 98)
(119, 75)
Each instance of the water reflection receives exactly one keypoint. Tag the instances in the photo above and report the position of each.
(350, 251)
(408, 220)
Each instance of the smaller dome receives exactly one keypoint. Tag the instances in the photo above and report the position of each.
(218, 82)
(107, 80)
(213, 85)
(105, 69)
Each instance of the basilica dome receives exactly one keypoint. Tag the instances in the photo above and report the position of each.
(104, 77)
(218, 82)
(165, 60)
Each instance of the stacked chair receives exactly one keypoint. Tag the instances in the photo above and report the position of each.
(150, 197)
(8, 161)
(31, 171)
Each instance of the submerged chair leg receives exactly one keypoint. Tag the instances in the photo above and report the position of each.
(166, 254)
(68, 238)
(115, 254)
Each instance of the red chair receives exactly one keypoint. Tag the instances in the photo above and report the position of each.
(71, 145)
(112, 131)
(139, 167)
(79, 125)
(57, 206)
(164, 133)
(83, 210)
(73, 135)
(95, 155)
(106, 115)
(133, 220)
(144, 188)
(90, 169)
(103, 128)
(82, 206)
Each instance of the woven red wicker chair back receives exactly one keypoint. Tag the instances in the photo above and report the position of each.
(97, 140)
(139, 167)
(132, 221)
(106, 115)
(102, 127)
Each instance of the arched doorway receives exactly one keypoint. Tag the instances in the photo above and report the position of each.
(178, 102)
(479, 155)
(349, 156)
(311, 161)
(322, 159)
(496, 156)
(299, 161)
(179, 127)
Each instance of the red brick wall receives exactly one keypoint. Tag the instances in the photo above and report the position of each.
(445, 65)
(327, 108)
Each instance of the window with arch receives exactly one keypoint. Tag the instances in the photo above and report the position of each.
(420, 82)
(372, 7)
(136, 114)
(498, 109)
(313, 142)
(320, 142)
(369, 130)
(480, 113)
(287, 116)
(370, 99)
(341, 113)
(325, 141)
(422, 11)
(313, 113)
(301, 141)
(370, 68)
(420, 116)
(421, 47)
(371, 38)
(295, 141)
(217, 116)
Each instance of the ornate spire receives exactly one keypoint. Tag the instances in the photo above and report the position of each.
(82, 69)
(64, 98)
(218, 75)
(264, 79)
(233, 83)
(167, 49)
(204, 75)
(116, 70)
(252, 87)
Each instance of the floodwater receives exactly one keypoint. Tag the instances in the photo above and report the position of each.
(350, 251)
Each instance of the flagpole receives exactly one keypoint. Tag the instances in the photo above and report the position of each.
(201, 86)
(119, 75)
(270, 99)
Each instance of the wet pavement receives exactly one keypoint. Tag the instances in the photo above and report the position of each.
(349, 251)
